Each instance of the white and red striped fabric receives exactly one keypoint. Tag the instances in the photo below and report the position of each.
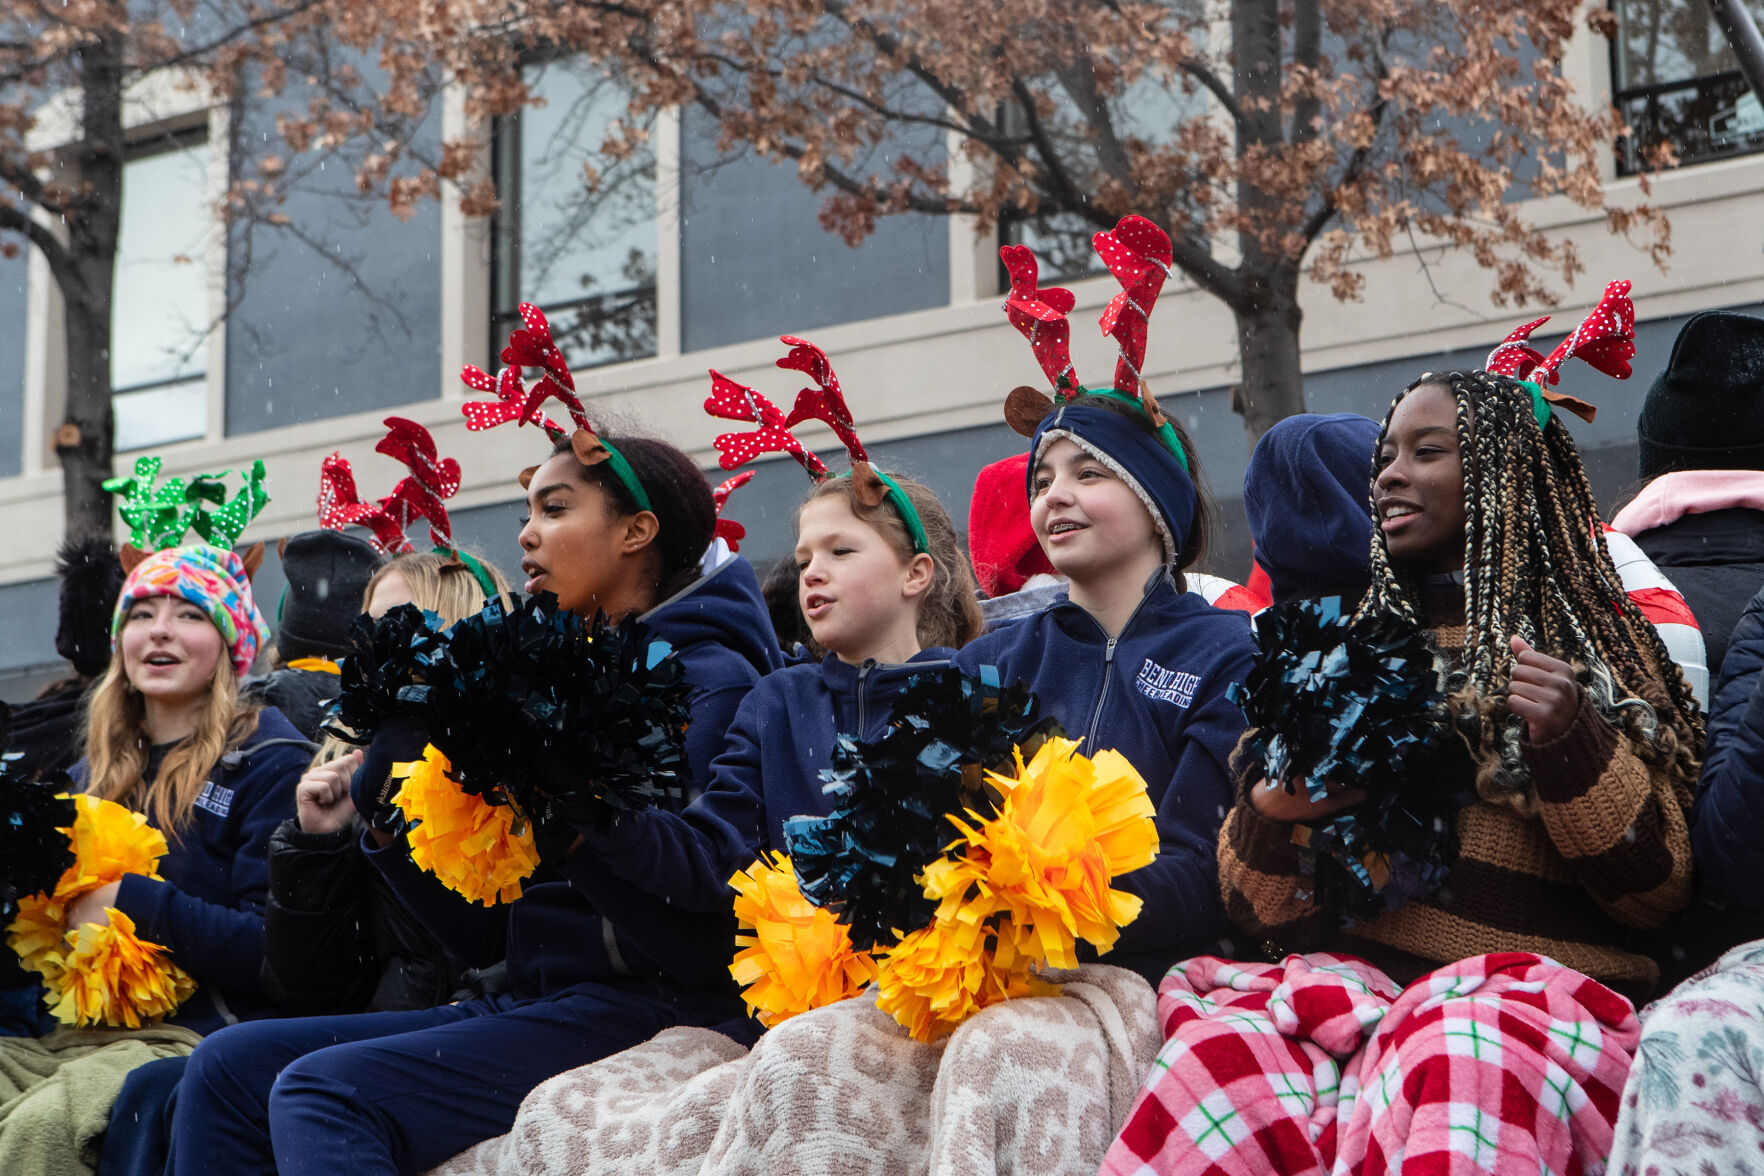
(1222, 593)
(1660, 601)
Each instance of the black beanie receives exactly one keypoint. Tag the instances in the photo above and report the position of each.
(327, 573)
(1706, 410)
(91, 579)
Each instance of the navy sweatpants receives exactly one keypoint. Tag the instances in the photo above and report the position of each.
(381, 1093)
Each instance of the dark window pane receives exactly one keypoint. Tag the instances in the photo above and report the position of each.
(576, 234)
(755, 262)
(1679, 85)
(338, 311)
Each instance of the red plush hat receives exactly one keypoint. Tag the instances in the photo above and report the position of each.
(1001, 544)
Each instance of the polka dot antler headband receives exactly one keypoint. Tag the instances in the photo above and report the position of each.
(1605, 339)
(1137, 253)
(159, 514)
(728, 530)
(419, 494)
(824, 402)
(534, 347)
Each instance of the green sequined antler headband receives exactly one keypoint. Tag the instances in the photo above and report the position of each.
(160, 515)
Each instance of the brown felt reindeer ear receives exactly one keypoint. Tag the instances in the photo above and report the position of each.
(282, 547)
(588, 448)
(865, 483)
(1025, 408)
(526, 478)
(252, 559)
(130, 557)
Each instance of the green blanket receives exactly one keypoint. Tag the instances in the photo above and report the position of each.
(56, 1092)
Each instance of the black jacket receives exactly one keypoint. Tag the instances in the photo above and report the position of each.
(47, 728)
(301, 695)
(1717, 562)
(336, 937)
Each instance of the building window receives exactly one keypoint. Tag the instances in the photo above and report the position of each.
(160, 317)
(1678, 85)
(576, 231)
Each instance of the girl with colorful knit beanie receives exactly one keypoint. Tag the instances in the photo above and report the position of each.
(168, 736)
(1483, 1021)
(617, 525)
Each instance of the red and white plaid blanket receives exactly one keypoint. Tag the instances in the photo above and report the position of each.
(1321, 1064)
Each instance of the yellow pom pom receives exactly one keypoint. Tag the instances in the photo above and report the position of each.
(1029, 883)
(940, 975)
(467, 843)
(799, 956)
(108, 842)
(100, 975)
(114, 977)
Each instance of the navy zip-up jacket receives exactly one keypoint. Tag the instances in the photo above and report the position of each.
(576, 920)
(209, 908)
(1727, 821)
(769, 771)
(1156, 694)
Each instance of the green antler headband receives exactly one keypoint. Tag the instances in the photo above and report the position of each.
(159, 516)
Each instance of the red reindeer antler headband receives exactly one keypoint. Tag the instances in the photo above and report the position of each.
(728, 530)
(731, 401)
(419, 494)
(1138, 254)
(1605, 339)
(534, 346)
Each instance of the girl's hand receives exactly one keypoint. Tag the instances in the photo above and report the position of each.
(89, 908)
(321, 799)
(1297, 807)
(1543, 692)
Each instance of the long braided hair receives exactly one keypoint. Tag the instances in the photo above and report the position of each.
(1536, 566)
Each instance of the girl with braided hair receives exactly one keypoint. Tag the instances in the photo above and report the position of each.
(1486, 1023)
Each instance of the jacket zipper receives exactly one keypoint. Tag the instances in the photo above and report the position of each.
(1108, 672)
(863, 697)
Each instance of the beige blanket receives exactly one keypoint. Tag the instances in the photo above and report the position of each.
(1027, 1087)
(56, 1092)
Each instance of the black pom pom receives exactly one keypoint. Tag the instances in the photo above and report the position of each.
(34, 852)
(863, 860)
(1356, 701)
(533, 707)
(385, 672)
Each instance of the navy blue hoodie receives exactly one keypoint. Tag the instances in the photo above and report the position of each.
(209, 908)
(576, 920)
(769, 771)
(1156, 694)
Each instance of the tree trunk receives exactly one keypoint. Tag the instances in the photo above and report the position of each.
(1268, 353)
(85, 441)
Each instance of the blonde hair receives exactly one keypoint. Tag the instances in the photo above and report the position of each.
(116, 744)
(949, 612)
(439, 584)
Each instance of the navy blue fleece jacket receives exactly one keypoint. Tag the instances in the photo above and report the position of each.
(1156, 694)
(1727, 821)
(769, 771)
(579, 920)
(209, 908)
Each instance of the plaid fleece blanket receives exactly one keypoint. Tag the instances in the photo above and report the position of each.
(1321, 1064)
(1030, 1086)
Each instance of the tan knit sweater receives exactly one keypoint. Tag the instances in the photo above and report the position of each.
(1607, 850)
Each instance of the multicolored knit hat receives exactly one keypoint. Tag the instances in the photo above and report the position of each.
(211, 578)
